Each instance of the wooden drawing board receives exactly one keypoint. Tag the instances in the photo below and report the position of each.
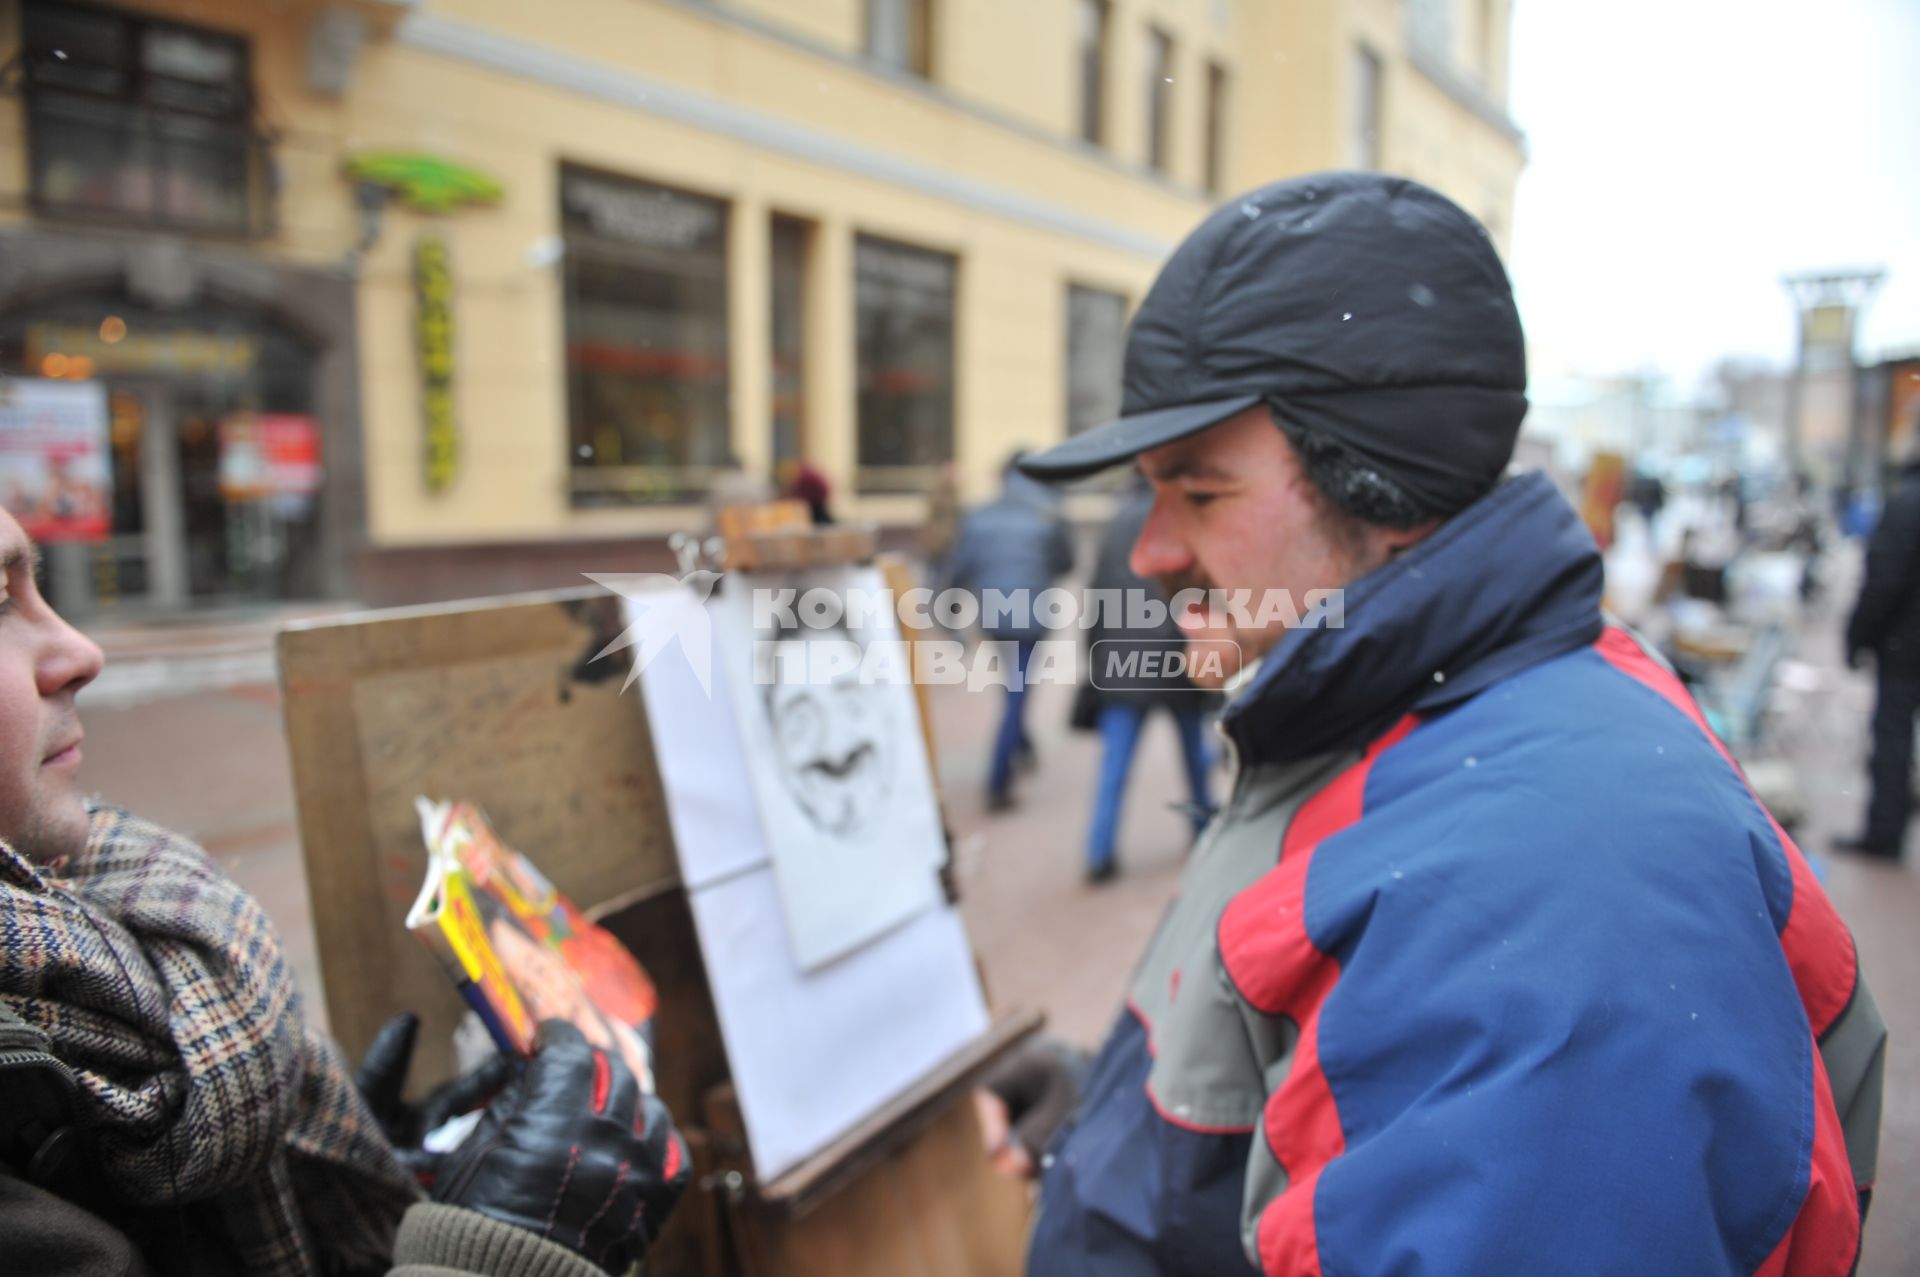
(499, 703)
(499, 700)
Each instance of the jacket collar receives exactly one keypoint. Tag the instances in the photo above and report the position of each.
(1510, 581)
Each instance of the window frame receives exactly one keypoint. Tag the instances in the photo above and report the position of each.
(1213, 160)
(1369, 92)
(643, 485)
(916, 19)
(1093, 55)
(804, 233)
(43, 104)
(1161, 54)
(871, 477)
(1075, 286)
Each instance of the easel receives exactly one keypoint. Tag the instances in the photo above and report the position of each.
(500, 700)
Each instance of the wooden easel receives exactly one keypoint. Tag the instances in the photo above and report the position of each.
(501, 700)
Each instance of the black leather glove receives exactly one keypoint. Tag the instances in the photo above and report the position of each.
(573, 1152)
(382, 1076)
(1040, 1086)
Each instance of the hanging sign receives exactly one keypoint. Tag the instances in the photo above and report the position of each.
(433, 319)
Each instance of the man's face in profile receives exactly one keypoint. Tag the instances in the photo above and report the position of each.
(831, 734)
(1234, 510)
(44, 662)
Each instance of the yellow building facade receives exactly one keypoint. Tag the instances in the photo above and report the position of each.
(873, 235)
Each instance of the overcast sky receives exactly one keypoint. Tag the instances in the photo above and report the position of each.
(1684, 154)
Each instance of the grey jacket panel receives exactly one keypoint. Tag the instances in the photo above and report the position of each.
(1855, 1053)
(1217, 1059)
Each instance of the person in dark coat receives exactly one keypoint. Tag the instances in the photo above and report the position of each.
(1012, 548)
(1127, 667)
(1886, 622)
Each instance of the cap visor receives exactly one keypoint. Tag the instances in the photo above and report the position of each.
(1105, 446)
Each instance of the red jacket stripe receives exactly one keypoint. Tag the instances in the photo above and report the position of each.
(1287, 1242)
(1267, 953)
(1263, 936)
(1825, 1238)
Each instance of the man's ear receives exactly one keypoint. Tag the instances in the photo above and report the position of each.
(1391, 542)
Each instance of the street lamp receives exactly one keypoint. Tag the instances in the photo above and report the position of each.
(1827, 305)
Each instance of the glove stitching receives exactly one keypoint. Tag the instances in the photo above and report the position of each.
(632, 1228)
(573, 1160)
(613, 1192)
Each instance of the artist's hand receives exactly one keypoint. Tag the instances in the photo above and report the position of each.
(574, 1152)
(382, 1077)
(1025, 1100)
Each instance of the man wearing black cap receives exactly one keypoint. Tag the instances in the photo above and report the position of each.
(1490, 963)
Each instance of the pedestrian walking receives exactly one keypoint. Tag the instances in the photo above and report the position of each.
(1010, 550)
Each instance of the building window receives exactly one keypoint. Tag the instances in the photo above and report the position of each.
(1094, 17)
(1096, 350)
(1366, 109)
(137, 119)
(1430, 26)
(646, 333)
(900, 34)
(1216, 158)
(1159, 96)
(788, 386)
(903, 299)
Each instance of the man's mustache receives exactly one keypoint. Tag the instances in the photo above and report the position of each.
(1172, 583)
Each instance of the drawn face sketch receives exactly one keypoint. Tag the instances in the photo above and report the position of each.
(832, 733)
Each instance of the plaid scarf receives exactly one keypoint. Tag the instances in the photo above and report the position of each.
(227, 1136)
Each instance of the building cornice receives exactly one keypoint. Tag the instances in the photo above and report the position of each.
(556, 68)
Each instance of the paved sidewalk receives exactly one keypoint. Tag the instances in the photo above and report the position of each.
(155, 660)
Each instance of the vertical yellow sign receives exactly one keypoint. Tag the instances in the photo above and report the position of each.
(433, 304)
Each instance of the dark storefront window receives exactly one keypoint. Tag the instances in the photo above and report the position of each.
(646, 332)
(788, 338)
(142, 120)
(904, 301)
(182, 387)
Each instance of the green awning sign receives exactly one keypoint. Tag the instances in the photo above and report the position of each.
(425, 183)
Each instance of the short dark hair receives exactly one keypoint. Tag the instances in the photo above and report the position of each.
(1350, 488)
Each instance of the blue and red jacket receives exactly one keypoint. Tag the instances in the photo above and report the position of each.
(1491, 964)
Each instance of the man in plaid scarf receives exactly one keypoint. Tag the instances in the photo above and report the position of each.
(164, 1107)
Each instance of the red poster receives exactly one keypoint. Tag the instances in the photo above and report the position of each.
(56, 474)
(269, 455)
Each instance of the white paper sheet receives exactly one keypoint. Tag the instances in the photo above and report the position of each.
(813, 1051)
(716, 824)
(813, 1054)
